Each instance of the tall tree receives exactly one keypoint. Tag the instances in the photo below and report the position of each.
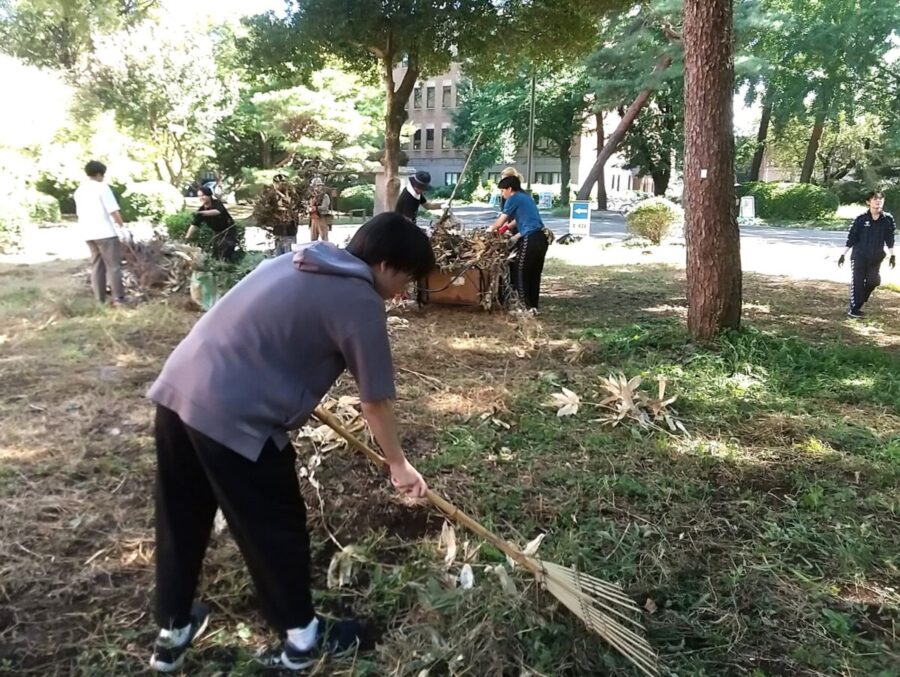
(655, 142)
(373, 37)
(162, 83)
(711, 232)
(636, 57)
(57, 33)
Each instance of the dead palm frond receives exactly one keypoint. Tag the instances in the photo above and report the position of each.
(602, 606)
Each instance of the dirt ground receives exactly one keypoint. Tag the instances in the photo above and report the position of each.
(77, 464)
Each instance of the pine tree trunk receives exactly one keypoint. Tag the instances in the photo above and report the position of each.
(809, 162)
(602, 202)
(565, 171)
(761, 137)
(711, 233)
(584, 193)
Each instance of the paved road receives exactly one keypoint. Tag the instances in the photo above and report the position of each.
(611, 225)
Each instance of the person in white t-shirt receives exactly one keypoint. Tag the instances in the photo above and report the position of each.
(98, 215)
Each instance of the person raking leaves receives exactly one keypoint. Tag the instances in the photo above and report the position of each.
(253, 368)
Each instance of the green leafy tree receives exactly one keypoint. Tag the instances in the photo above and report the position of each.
(655, 142)
(57, 33)
(335, 118)
(373, 37)
(162, 83)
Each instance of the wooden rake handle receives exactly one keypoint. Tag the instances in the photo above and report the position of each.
(436, 500)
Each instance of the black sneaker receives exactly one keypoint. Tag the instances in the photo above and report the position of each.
(855, 313)
(168, 657)
(333, 638)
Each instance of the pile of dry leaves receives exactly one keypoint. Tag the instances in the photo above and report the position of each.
(158, 266)
(455, 247)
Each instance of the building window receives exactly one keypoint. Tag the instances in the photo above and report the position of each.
(446, 144)
(429, 97)
(417, 140)
(446, 94)
(547, 177)
(417, 97)
(542, 143)
(429, 139)
(451, 178)
(493, 177)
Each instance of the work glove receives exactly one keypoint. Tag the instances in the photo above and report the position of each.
(892, 262)
(841, 261)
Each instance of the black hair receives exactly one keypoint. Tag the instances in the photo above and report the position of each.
(94, 167)
(396, 241)
(874, 193)
(206, 190)
(510, 182)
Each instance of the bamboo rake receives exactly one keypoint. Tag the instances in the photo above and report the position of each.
(594, 601)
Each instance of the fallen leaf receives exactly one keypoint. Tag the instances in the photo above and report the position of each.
(533, 545)
(567, 403)
(466, 577)
(506, 583)
(340, 569)
(650, 606)
(448, 541)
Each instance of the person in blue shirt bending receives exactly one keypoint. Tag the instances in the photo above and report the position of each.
(531, 242)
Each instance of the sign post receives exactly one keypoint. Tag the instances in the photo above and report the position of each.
(580, 218)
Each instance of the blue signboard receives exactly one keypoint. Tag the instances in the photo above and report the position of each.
(580, 218)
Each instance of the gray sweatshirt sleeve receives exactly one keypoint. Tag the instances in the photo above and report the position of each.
(366, 349)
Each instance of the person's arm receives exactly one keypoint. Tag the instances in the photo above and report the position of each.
(503, 218)
(208, 212)
(889, 241)
(852, 239)
(381, 419)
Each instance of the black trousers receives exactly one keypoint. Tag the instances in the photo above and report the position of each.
(526, 268)
(866, 277)
(264, 509)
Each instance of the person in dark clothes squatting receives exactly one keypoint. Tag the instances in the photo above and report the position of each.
(413, 196)
(869, 234)
(254, 367)
(213, 215)
(531, 241)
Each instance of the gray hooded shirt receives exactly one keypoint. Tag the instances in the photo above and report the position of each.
(258, 363)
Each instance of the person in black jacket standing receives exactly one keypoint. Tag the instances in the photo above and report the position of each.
(869, 234)
(413, 196)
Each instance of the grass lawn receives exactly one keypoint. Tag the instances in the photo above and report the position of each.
(766, 541)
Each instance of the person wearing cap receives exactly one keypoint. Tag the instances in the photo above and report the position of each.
(413, 196)
(531, 242)
(320, 216)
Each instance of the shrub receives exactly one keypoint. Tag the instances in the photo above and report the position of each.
(802, 202)
(441, 193)
(653, 218)
(153, 200)
(791, 201)
(43, 208)
(891, 199)
(850, 192)
(357, 197)
(178, 223)
(62, 190)
(762, 192)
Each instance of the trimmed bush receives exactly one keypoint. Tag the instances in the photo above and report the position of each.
(762, 192)
(153, 200)
(791, 201)
(654, 218)
(43, 208)
(803, 202)
(357, 197)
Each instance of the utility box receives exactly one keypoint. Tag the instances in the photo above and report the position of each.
(748, 207)
(474, 287)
